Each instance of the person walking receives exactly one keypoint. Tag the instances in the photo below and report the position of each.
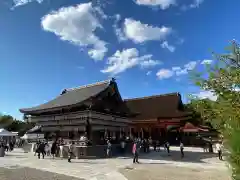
(54, 149)
(70, 151)
(135, 154)
(136, 150)
(109, 147)
(181, 149)
(37, 147)
(167, 146)
(61, 144)
(219, 150)
(41, 150)
(47, 149)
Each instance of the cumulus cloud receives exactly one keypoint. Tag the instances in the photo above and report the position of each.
(164, 74)
(24, 2)
(139, 32)
(194, 4)
(77, 24)
(120, 61)
(165, 45)
(206, 95)
(118, 30)
(178, 71)
(149, 73)
(163, 4)
(207, 61)
(185, 69)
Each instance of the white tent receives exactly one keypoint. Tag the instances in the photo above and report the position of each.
(32, 136)
(4, 132)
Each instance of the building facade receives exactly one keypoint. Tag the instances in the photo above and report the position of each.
(157, 116)
(99, 111)
(96, 110)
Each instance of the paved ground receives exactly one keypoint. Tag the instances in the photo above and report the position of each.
(24, 173)
(166, 172)
(154, 166)
(196, 165)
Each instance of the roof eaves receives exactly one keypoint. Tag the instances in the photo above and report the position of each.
(153, 96)
(88, 85)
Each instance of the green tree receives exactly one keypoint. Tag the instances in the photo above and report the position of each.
(5, 120)
(223, 79)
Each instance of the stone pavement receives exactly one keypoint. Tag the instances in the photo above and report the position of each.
(104, 169)
(108, 169)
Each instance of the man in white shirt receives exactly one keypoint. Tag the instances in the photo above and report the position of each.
(219, 150)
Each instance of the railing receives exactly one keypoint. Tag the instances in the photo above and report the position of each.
(77, 117)
(59, 117)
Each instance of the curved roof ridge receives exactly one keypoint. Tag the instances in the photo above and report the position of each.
(88, 85)
(153, 96)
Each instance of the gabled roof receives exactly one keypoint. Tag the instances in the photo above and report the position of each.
(35, 129)
(158, 106)
(71, 96)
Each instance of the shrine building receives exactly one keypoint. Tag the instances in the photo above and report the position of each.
(99, 111)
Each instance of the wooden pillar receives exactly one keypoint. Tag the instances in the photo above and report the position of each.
(142, 133)
(130, 133)
(150, 132)
(105, 134)
(120, 133)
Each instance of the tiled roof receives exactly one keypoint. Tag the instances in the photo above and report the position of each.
(158, 106)
(71, 96)
(35, 129)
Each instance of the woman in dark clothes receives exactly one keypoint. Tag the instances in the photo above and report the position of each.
(54, 149)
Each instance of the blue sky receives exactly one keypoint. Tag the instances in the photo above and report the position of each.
(149, 46)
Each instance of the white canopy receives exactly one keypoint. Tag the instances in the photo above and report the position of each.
(33, 136)
(4, 132)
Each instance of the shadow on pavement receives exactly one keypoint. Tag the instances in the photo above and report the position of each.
(189, 156)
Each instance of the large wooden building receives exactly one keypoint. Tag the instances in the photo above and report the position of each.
(96, 109)
(157, 116)
(99, 110)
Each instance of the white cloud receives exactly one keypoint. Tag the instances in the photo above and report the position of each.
(206, 95)
(139, 33)
(146, 61)
(163, 4)
(118, 31)
(176, 70)
(164, 74)
(195, 4)
(77, 25)
(168, 46)
(207, 61)
(120, 61)
(148, 73)
(185, 69)
(24, 2)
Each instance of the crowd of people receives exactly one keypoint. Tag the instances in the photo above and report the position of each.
(44, 148)
(7, 145)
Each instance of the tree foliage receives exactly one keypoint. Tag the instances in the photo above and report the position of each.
(5, 120)
(9, 123)
(223, 79)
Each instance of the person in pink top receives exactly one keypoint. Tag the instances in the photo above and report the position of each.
(135, 150)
